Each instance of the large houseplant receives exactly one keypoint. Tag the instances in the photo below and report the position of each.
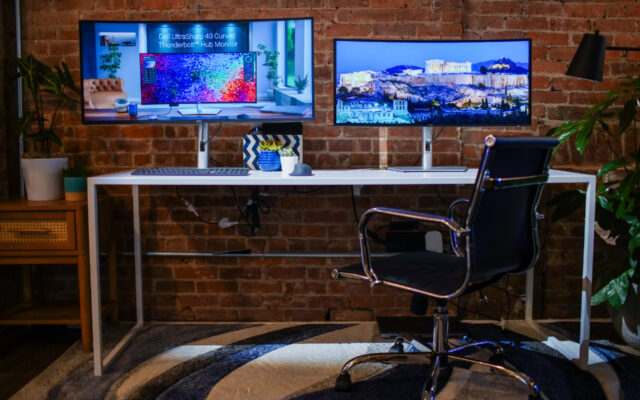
(49, 89)
(612, 124)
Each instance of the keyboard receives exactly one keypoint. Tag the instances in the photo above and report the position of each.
(186, 171)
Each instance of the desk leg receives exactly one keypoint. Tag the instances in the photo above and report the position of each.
(528, 297)
(137, 248)
(587, 272)
(94, 273)
(121, 345)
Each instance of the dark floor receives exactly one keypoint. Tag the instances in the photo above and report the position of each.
(26, 351)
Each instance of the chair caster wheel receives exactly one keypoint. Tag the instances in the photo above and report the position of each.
(397, 348)
(343, 383)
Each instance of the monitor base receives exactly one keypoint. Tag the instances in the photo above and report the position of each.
(439, 168)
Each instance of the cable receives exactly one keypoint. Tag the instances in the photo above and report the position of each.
(193, 210)
(321, 188)
(353, 204)
(214, 161)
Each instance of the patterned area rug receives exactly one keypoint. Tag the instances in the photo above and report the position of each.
(301, 361)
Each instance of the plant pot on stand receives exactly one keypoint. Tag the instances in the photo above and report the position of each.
(75, 188)
(43, 178)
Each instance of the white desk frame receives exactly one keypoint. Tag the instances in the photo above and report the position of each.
(357, 177)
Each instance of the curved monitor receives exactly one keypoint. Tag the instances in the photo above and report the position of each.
(212, 71)
(432, 83)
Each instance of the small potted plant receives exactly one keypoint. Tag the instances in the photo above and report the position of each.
(269, 159)
(49, 88)
(288, 159)
(301, 83)
(75, 182)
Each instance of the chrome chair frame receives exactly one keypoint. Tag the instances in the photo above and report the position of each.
(438, 354)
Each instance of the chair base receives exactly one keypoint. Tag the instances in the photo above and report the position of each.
(438, 355)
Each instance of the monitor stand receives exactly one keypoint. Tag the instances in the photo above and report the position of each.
(427, 157)
(203, 144)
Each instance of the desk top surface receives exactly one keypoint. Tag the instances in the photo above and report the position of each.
(321, 177)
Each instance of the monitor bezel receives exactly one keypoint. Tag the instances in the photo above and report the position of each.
(212, 119)
(335, 77)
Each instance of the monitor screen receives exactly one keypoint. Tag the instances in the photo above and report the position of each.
(177, 71)
(198, 78)
(432, 83)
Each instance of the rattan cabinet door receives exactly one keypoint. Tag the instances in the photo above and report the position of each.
(37, 230)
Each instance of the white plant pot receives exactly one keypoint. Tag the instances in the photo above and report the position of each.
(43, 178)
(626, 321)
(288, 164)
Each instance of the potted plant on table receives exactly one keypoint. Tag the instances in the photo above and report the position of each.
(288, 159)
(75, 181)
(269, 159)
(49, 89)
(613, 122)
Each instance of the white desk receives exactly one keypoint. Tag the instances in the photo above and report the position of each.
(356, 177)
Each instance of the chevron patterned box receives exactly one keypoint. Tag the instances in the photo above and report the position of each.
(250, 146)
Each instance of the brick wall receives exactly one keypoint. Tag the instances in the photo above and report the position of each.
(300, 288)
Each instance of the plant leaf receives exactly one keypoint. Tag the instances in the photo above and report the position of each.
(626, 116)
(612, 166)
(615, 291)
(566, 203)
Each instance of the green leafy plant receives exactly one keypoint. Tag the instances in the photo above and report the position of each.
(76, 170)
(270, 145)
(286, 152)
(301, 83)
(271, 62)
(111, 61)
(613, 122)
(43, 83)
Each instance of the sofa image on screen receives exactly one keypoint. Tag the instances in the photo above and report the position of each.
(102, 93)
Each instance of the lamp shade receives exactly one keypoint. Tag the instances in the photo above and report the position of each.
(588, 62)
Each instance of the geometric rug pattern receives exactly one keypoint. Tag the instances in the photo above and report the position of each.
(301, 361)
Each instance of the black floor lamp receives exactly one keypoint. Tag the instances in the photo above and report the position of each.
(588, 62)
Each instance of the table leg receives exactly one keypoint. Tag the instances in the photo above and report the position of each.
(587, 272)
(94, 272)
(137, 248)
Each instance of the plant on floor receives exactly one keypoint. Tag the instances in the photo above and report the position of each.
(612, 123)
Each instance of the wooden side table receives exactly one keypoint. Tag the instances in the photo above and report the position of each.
(53, 232)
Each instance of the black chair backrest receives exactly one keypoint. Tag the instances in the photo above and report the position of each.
(502, 214)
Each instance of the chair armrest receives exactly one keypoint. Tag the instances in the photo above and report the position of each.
(453, 237)
(452, 225)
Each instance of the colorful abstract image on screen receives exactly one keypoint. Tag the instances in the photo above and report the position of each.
(433, 83)
(198, 78)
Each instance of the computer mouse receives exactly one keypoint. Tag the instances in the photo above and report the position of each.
(301, 170)
(242, 116)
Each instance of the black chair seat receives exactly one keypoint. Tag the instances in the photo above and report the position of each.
(432, 272)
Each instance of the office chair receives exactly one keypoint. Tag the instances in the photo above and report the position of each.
(497, 237)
